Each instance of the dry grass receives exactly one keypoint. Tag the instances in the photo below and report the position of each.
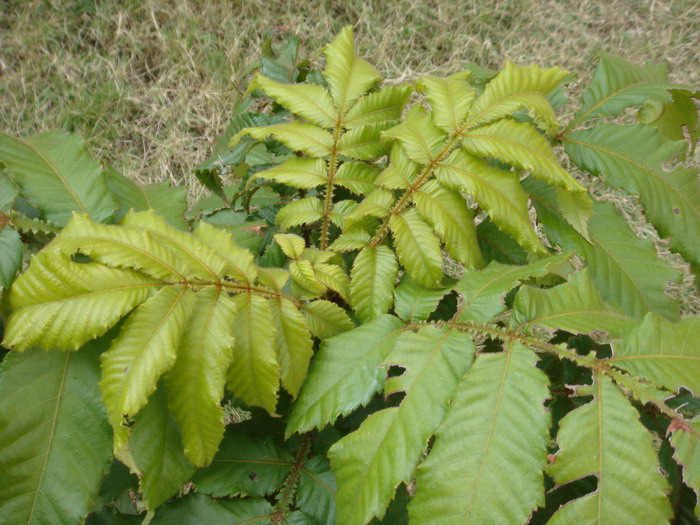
(150, 83)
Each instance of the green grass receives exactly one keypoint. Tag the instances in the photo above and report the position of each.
(150, 83)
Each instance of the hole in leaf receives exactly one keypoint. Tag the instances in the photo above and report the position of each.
(395, 371)
(557, 496)
(395, 398)
(80, 258)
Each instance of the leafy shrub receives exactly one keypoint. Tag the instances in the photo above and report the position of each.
(419, 307)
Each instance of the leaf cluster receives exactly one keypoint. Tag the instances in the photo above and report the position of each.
(396, 304)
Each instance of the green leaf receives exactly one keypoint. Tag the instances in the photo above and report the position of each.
(12, 249)
(417, 247)
(344, 374)
(348, 75)
(304, 211)
(618, 84)
(195, 509)
(293, 343)
(380, 106)
(156, 447)
(575, 306)
(415, 302)
(306, 100)
(63, 304)
(675, 118)
(55, 442)
(170, 203)
(496, 190)
(316, 495)
(685, 440)
(486, 464)
(575, 207)
(195, 384)
(298, 136)
(371, 462)
(497, 246)
(450, 99)
(8, 193)
(447, 212)
(633, 158)
(483, 290)
(358, 177)
(522, 146)
(626, 270)
(326, 319)
(254, 372)
(663, 352)
(57, 175)
(239, 457)
(419, 137)
(145, 349)
(606, 439)
(364, 143)
(373, 279)
(515, 88)
(298, 172)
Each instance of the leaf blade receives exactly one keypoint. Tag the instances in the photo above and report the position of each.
(498, 415)
(50, 441)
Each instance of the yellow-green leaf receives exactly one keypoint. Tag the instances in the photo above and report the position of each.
(450, 99)
(292, 342)
(309, 101)
(196, 382)
(515, 88)
(145, 349)
(254, 372)
(447, 211)
(292, 245)
(522, 146)
(304, 211)
(348, 75)
(325, 319)
(63, 304)
(238, 261)
(298, 172)
(364, 142)
(380, 106)
(373, 280)
(497, 191)
(298, 136)
(419, 137)
(358, 177)
(417, 247)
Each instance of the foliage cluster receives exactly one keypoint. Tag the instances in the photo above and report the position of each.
(395, 305)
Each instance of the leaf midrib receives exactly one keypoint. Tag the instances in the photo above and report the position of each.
(642, 167)
(52, 435)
